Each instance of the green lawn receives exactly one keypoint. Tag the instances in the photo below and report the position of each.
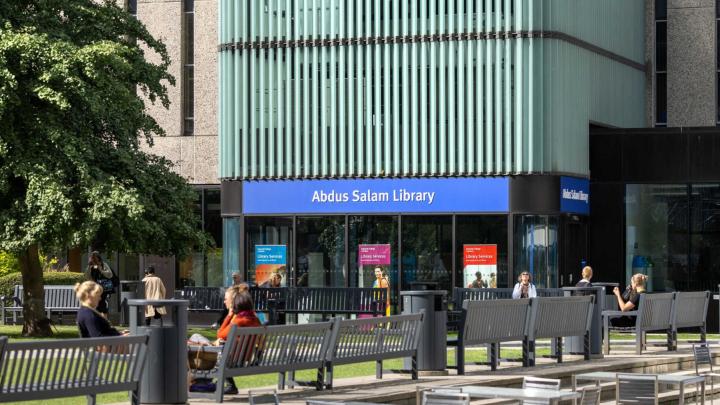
(346, 371)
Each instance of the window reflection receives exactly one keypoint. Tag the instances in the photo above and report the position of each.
(485, 229)
(536, 248)
(320, 251)
(427, 251)
(266, 231)
(705, 237)
(656, 217)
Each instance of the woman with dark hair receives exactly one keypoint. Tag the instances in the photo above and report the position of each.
(99, 272)
(242, 314)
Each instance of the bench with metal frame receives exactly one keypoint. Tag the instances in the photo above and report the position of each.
(59, 299)
(203, 299)
(558, 317)
(374, 339)
(72, 367)
(271, 349)
(325, 301)
(691, 312)
(494, 321)
(662, 312)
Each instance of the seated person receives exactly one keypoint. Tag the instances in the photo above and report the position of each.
(524, 287)
(587, 273)
(91, 322)
(241, 312)
(629, 301)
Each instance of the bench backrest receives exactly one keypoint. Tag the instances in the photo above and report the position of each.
(268, 349)
(336, 300)
(203, 298)
(655, 312)
(71, 367)
(358, 340)
(326, 300)
(691, 308)
(493, 321)
(560, 316)
(477, 294)
(56, 296)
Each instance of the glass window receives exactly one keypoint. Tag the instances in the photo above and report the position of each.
(661, 98)
(188, 89)
(212, 221)
(267, 231)
(656, 217)
(231, 248)
(486, 229)
(373, 230)
(704, 266)
(427, 250)
(536, 249)
(661, 46)
(660, 9)
(321, 251)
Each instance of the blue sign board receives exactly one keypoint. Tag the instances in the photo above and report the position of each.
(574, 195)
(270, 254)
(476, 194)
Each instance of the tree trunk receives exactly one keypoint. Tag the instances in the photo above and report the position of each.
(35, 323)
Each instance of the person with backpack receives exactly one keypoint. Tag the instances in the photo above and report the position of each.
(99, 272)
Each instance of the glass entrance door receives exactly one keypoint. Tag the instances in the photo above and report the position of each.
(382, 232)
(574, 250)
(536, 248)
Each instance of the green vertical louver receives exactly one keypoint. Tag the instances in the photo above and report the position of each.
(367, 88)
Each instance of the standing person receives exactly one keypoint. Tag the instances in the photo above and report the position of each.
(99, 272)
(381, 281)
(90, 321)
(493, 280)
(587, 273)
(154, 290)
(478, 282)
(524, 287)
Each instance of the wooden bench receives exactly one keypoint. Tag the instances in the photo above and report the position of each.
(272, 349)
(59, 299)
(203, 299)
(505, 320)
(655, 313)
(556, 318)
(72, 367)
(374, 339)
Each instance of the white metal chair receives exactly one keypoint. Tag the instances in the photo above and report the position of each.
(540, 383)
(266, 396)
(637, 389)
(445, 397)
(590, 395)
(704, 357)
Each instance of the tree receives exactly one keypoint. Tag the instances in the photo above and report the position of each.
(74, 80)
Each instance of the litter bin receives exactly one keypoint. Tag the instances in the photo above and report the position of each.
(610, 302)
(432, 355)
(128, 291)
(574, 344)
(164, 379)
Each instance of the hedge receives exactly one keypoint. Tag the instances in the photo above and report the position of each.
(8, 282)
(8, 263)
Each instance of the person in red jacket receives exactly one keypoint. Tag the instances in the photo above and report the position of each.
(241, 312)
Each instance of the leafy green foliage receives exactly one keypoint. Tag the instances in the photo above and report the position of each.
(74, 79)
(9, 281)
(8, 263)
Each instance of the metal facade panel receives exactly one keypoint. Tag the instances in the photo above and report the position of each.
(352, 88)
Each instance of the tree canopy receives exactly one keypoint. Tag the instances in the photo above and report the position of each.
(75, 77)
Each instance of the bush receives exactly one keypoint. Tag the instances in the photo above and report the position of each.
(8, 282)
(8, 263)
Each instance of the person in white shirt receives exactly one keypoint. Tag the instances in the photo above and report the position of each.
(524, 287)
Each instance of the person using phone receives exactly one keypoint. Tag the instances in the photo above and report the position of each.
(524, 287)
(99, 272)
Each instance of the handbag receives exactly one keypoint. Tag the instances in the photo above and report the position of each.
(202, 360)
(107, 285)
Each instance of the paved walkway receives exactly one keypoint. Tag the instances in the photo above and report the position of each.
(400, 389)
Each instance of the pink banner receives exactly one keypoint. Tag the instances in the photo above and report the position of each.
(373, 254)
